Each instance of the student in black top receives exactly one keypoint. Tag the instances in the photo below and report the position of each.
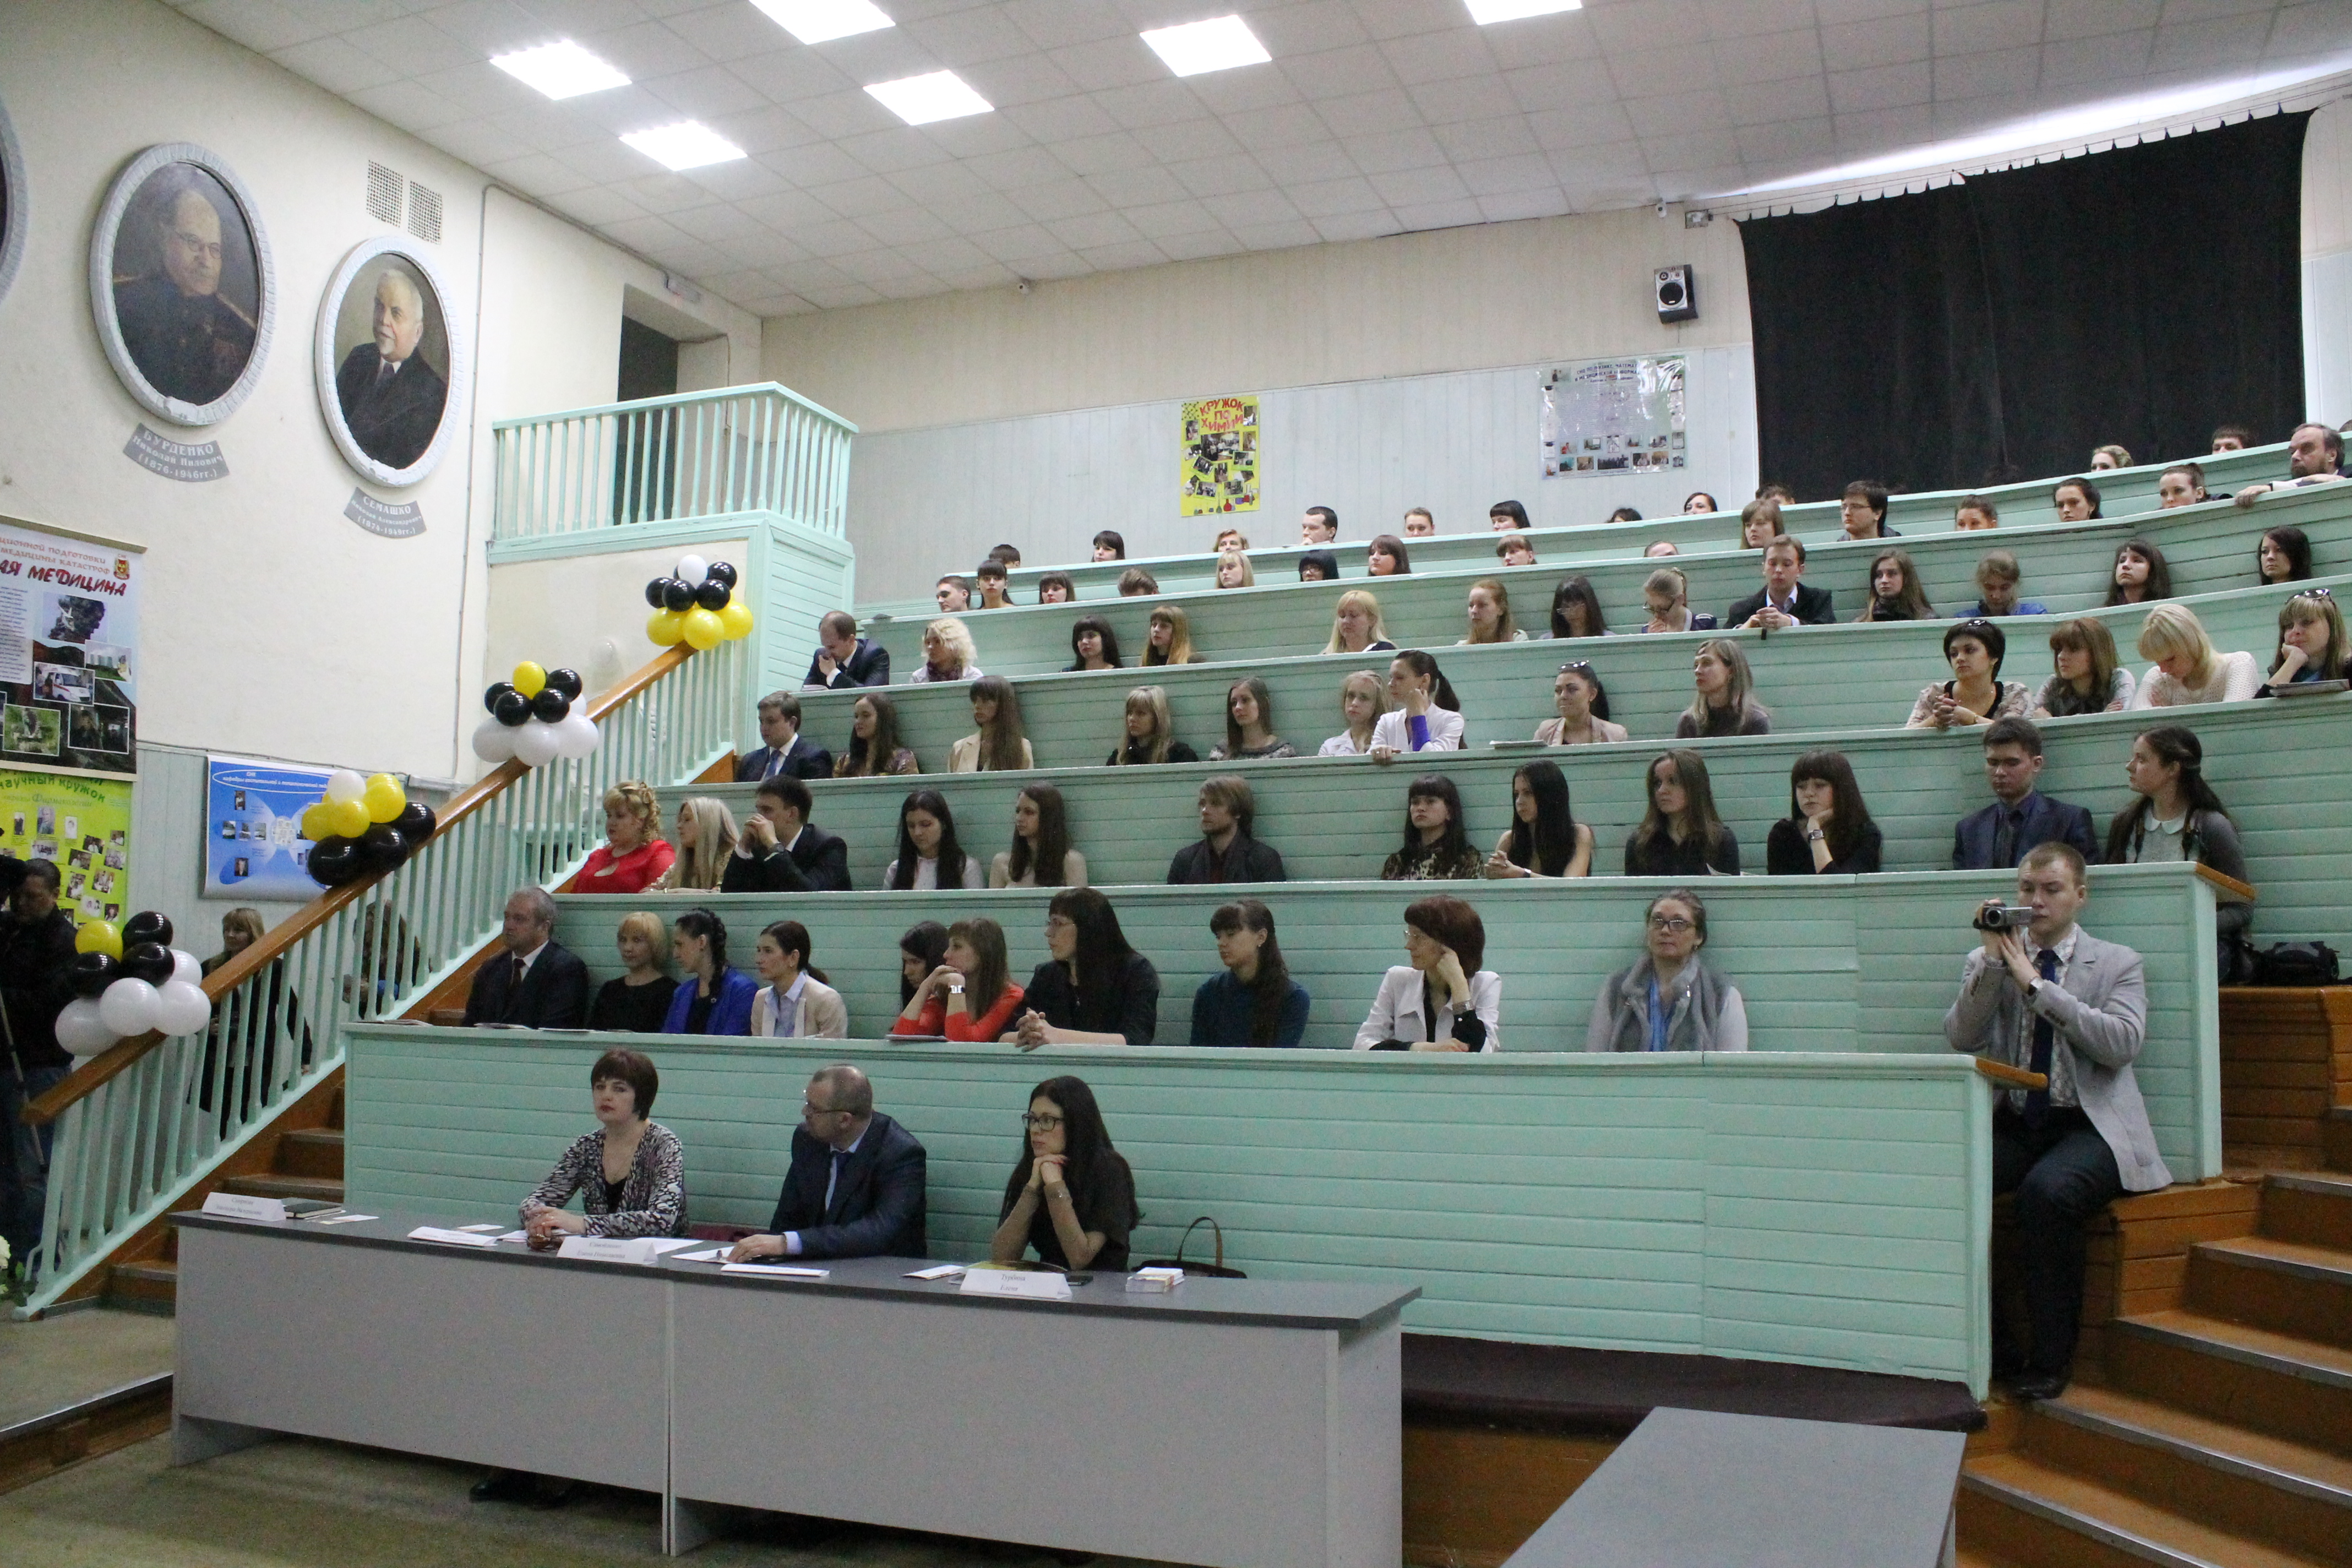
(844, 660)
(1226, 851)
(1863, 511)
(1720, 703)
(1093, 645)
(2141, 574)
(1151, 733)
(1576, 610)
(1072, 1197)
(1437, 846)
(1253, 1000)
(1094, 990)
(1544, 839)
(1680, 835)
(1828, 831)
(2077, 499)
(636, 1002)
(1319, 566)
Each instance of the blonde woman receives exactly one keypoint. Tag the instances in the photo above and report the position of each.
(1356, 625)
(634, 856)
(1151, 733)
(1234, 571)
(1170, 641)
(2186, 669)
(1720, 704)
(637, 1000)
(1362, 700)
(1489, 610)
(706, 835)
(948, 652)
(997, 744)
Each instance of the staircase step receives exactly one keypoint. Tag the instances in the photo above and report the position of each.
(2311, 1206)
(2250, 1377)
(325, 1189)
(2044, 1518)
(2289, 1286)
(311, 1151)
(151, 1284)
(2335, 1138)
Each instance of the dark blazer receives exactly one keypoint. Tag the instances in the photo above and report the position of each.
(1813, 608)
(393, 423)
(554, 992)
(1246, 860)
(818, 863)
(869, 665)
(804, 759)
(2046, 821)
(877, 1205)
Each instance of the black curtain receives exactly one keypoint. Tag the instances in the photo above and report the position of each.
(2003, 327)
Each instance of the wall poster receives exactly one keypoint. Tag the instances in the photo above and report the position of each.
(81, 823)
(254, 848)
(1614, 417)
(69, 642)
(1219, 465)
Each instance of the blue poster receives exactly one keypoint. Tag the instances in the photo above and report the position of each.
(254, 848)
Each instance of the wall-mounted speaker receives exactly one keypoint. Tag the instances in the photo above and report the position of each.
(1677, 294)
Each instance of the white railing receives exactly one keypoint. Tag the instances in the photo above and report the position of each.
(147, 1120)
(699, 454)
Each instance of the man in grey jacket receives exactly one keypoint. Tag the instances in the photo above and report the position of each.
(2057, 1000)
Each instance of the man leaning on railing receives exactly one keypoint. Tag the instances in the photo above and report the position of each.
(36, 947)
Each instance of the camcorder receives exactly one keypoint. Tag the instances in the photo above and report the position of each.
(2004, 917)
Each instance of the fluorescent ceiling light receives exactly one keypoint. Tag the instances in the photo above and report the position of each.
(560, 71)
(685, 146)
(1218, 44)
(818, 21)
(1485, 12)
(920, 100)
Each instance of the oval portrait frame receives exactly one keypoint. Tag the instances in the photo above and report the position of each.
(16, 221)
(324, 366)
(102, 235)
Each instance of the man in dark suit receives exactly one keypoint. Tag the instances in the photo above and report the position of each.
(1863, 511)
(780, 851)
(1784, 600)
(1226, 852)
(856, 1185)
(786, 754)
(537, 982)
(845, 661)
(2019, 819)
(392, 400)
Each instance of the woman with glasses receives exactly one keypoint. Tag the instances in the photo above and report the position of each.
(1583, 707)
(1094, 990)
(1441, 1000)
(1072, 1196)
(1672, 1000)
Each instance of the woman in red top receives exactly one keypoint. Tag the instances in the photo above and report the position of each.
(634, 854)
(976, 967)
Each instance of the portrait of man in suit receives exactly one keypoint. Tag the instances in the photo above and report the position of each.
(186, 288)
(391, 393)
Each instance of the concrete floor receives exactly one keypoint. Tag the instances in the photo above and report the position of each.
(63, 1360)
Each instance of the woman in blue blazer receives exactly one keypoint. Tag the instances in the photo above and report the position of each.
(711, 998)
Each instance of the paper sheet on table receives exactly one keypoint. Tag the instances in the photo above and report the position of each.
(659, 1244)
(477, 1228)
(451, 1237)
(937, 1271)
(515, 1236)
(347, 1219)
(709, 1255)
(774, 1270)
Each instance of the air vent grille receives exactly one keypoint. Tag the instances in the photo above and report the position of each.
(424, 212)
(383, 194)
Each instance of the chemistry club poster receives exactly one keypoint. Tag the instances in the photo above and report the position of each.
(68, 630)
(1218, 469)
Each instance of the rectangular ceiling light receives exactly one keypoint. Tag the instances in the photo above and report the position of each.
(818, 21)
(560, 71)
(685, 146)
(920, 100)
(1485, 12)
(1218, 44)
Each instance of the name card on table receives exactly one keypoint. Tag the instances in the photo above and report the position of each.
(1039, 1286)
(451, 1237)
(610, 1249)
(239, 1205)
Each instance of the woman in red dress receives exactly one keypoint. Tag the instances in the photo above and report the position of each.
(634, 854)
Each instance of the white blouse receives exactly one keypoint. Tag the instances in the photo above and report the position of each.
(926, 874)
(2236, 677)
(1396, 1012)
(1343, 745)
(1445, 728)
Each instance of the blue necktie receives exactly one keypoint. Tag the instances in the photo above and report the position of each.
(2045, 1035)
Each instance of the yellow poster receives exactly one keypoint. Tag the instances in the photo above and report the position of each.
(1220, 460)
(81, 823)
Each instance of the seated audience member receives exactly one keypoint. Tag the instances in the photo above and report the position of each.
(2059, 1002)
(1720, 703)
(1362, 700)
(1234, 571)
(1896, 591)
(842, 659)
(2232, 438)
(2284, 555)
(1151, 733)
(874, 749)
(630, 1173)
(1507, 517)
(2313, 454)
(991, 577)
(1489, 614)
(975, 969)
(1666, 595)
(535, 983)
(856, 1184)
(1761, 524)
(793, 1001)
(1828, 831)
(947, 653)
(1320, 526)
(1356, 625)
(1862, 510)
(2110, 457)
(1778, 492)
(779, 851)
(2021, 818)
(2311, 642)
(954, 595)
(1055, 589)
(786, 750)
(2183, 484)
(1658, 547)
(1544, 839)
(1387, 557)
(1437, 845)
(996, 743)
(2188, 669)
(1252, 1001)
(705, 836)
(1042, 855)
(1109, 546)
(1516, 549)
(1582, 708)
(1672, 1000)
(1442, 999)
(1785, 600)
(929, 857)
(1072, 1197)
(1975, 514)
(1576, 610)
(2175, 815)
(1698, 501)
(2090, 678)
(1169, 640)
(634, 856)
(1229, 538)
(1976, 694)
(1008, 554)
(1135, 582)
(1624, 514)
(921, 949)
(1319, 566)
(1226, 850)
(1680, 833)
(1093, 645)
(1419, 524)
(2078, 500)
(637, 1000)
(1249, 725)
(1998, 575)
(1423, 713)
(2141, 574)
(712, 998)
(1093, 989)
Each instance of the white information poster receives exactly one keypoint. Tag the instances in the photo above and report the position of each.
(68, 645)
(1614, 417)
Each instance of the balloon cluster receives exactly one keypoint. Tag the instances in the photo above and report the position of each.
(531, 719)
(362, 826)
(129, 979)
(698, 606)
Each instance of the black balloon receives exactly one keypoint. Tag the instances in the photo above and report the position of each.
(655, 591)
(513, 708)
(711, 597)
(90, 973)
(490, 697)
(416, 823)
(721, 572)
(676, 596)
(567, 681)
(335, 860)
(147, 925)
(550, 706)
(148, 961)
(385, 847)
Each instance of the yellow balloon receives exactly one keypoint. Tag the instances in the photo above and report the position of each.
(100, 936)
(530, 679)
(384, 798)
(348, 818)
(315, 821)
(703, 629)
(665, 628)
(735, 620)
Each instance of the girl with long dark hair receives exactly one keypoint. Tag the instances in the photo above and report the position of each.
(1249, 724)
(1576, 610)
(874, 745)
(1252, 1001)
(929, 857)
(1437, 846)
(1680, 835)
(2284, 555)
(711, 998)
(1424, 715)
(1071, 1196)
(1041, 856)
(970, 993)
(920, 951)
(1093, 989)
(2175, 815)
(1093, 645)
(1544, 839)
(1828, 831)
(2141, 574)
(996, 743)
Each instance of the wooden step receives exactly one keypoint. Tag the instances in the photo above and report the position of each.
(2250, 1377)
(323, 1188)
(311, 1151)
(2039, 1517)
(2314, 1207)
(151, 1284)
(2286, 1286)
(2335, 1138)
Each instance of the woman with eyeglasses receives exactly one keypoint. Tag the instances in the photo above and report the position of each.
(1093, 989)
(1576, 610)
(1583, 707)
(1544, 839)
(1672, 1000)
(1072, 1196)
(1441, 1000)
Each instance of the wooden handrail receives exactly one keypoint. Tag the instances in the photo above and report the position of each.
(2243, 892)
(118, 1058)
(2009, 1077)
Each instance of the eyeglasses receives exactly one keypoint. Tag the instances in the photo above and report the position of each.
(810, 1109)
(1672, 925)
(2316, 593)
(1036, 1123)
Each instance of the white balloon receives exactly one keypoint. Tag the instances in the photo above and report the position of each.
(80, 1030)
(494, 742)
(180, 1008)
(344, 785)
(185, 967)
(692, 570)
(535, 744)
(128, 1006)
(577, 736)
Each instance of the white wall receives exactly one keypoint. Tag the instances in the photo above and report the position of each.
(2327, 263)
